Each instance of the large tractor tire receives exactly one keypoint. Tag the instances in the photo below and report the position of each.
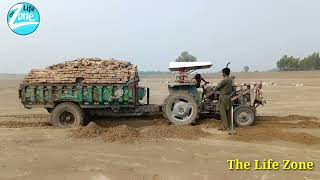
(244, 116)
(180, 108)
(67, 115)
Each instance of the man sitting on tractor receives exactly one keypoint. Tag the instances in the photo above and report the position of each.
(198, 79)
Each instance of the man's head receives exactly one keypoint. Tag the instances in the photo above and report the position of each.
(197, 77)
(225, 72)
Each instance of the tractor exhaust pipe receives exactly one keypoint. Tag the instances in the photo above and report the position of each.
(148, 96)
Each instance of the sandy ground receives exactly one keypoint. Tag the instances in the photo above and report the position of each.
(150, 148)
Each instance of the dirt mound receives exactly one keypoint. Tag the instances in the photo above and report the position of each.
(135, 122)
(308, 124)
(292, 117)
(122, 134)
(301, 124)
(270, 128)
(91, 130)
(171, 131)
(126, 134)
(254, 134)
(135, 130)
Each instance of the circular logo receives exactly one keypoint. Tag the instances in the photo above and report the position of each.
(23, 18)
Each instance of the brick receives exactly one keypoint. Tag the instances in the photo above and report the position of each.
(93, 70)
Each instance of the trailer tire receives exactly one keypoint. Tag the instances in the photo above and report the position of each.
(244, 116)
(87, 118)
(67, 115)
(180, 108)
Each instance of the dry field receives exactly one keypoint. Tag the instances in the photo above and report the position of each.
(150, 148)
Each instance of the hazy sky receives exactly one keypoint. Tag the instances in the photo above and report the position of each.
(151, 33)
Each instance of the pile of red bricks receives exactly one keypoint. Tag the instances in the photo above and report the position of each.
(85, 70)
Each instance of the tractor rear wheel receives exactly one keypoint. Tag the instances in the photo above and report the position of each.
(180, 108)
(244, 116)
(67, 115)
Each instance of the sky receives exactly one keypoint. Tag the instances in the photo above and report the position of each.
(151, 33)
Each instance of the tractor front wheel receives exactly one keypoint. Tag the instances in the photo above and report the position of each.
(244, 116)
(180, 108)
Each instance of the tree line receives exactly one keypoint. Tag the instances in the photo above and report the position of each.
(290, 63)
(285, 63)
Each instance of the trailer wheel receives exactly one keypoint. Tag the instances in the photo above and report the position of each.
(180, 108)
(244, 116)
(67, 115)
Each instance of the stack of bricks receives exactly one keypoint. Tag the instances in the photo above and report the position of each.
(87, 70)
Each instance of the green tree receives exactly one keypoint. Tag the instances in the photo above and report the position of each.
(311, 62)
(186, 57)
(287, 63)
(246, 68)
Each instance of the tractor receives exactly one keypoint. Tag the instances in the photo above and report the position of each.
(186, 103)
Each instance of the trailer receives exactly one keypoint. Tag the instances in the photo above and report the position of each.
(69, 105)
